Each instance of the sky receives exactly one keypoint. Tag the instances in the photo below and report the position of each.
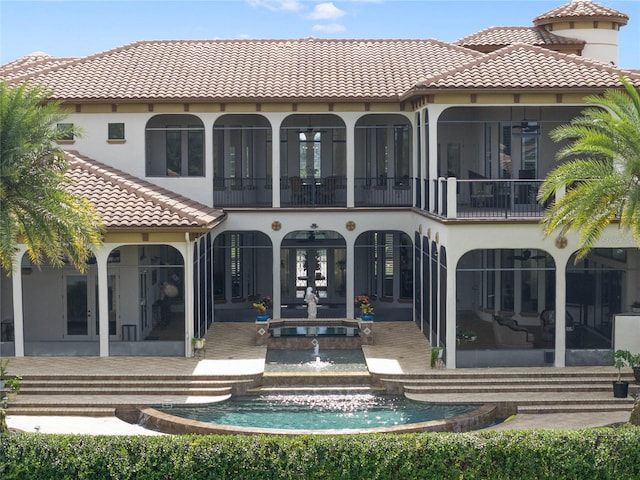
(73, 28)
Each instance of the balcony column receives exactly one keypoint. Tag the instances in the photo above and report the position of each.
(424, 167)
(350, 125)
(415, 148)
(433, 113)
(275, 159)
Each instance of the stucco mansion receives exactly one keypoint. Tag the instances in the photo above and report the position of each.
(405, 170)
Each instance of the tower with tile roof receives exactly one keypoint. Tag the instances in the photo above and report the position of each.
(589, 21)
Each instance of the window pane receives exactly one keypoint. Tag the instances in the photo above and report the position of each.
(116, 131)
(174, 151)
(196, 153)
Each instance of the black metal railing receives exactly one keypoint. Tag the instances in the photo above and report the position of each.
(498, 198)
(383, 192)
(313, 192)
(242, 192)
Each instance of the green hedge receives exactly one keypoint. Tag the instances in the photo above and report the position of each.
(604, 453)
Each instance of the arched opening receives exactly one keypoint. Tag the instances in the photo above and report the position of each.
(313, 160)
(600, 287)
(383, 160)
(499, 318)
(242, 160)
(175, 146)
(384, 272)
(145, 304)
(242, 273)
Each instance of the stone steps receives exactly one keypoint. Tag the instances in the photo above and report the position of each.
(71, 411)
(555, 391)
(349, 379)
(452, 388)
(326, 390)
(79, 389)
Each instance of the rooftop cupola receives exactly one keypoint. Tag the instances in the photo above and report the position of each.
(596, 24)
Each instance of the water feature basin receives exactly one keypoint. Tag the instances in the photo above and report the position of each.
(318, 414)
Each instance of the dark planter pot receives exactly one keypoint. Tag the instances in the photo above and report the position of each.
(636, 373)
(620, 389)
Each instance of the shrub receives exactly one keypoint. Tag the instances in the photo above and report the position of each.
(604, 453)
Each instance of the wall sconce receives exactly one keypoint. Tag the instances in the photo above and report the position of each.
(313, 226)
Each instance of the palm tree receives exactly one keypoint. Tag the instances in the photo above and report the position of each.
(36, 207)
(602, 174)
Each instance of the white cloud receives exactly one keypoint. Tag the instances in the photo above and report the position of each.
(277, 5)
(329, 28)
(326, 11)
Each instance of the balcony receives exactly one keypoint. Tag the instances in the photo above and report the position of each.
(488, 198)
(242, 192)
(384, 192)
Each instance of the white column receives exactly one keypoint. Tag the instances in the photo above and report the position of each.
(276, 242)
(350, 126)
(102, 255)
(275, 161)
(423, 159)
(561, 308)
(187, 252)
(18, 310)
(450, 334)
(452, 197)
(433, 112)
(350, 277)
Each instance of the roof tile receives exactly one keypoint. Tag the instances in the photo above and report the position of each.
(581, 9)
(528, 67)
(125, 201)
(269, 70)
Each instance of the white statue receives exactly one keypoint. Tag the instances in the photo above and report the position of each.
(312, 303)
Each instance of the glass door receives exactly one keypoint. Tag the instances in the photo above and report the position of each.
(82, 318)
(78, 311)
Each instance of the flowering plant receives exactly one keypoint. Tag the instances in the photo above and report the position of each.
(262, 305)
(364, 303)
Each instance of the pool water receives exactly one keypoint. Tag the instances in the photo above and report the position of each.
(297, 360)
(319, 412)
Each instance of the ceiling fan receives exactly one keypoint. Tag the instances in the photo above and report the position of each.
(526, 255)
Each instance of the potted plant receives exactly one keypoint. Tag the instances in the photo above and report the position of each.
(634, 362)
(366, 310)
(635, 306)
(262, 306)
(13, 384)
(198, 342)
(620, 387)
(4, 374)
(436, 354)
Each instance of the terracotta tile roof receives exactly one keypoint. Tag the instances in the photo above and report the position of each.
(30, 64)
(526, 67)
(581, 10)
(253, 70)
(127, 202)
(503, 36)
